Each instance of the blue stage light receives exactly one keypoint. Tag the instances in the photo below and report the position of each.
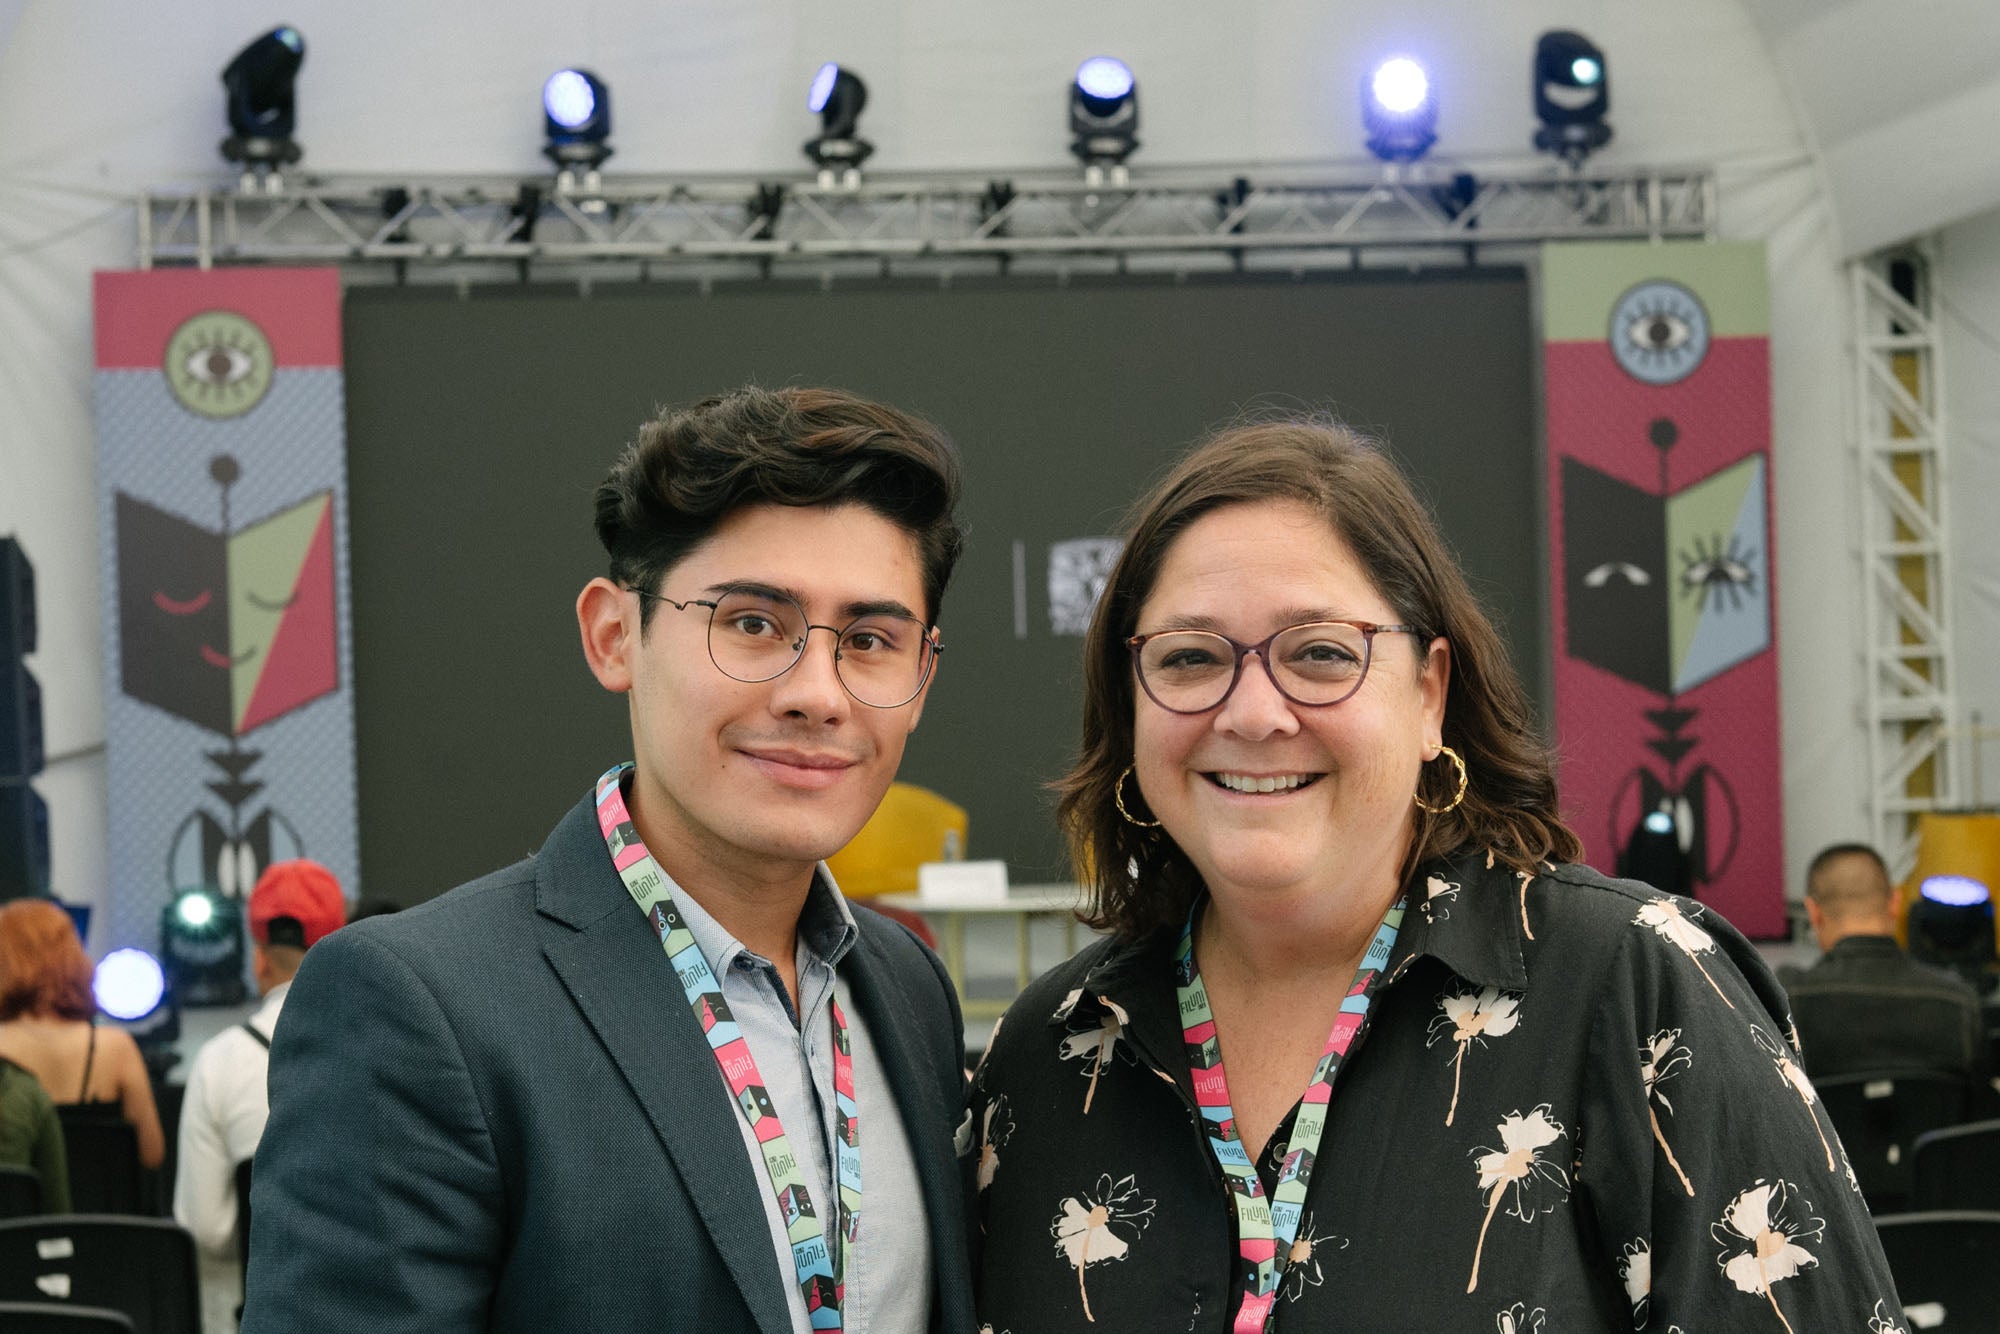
(1956, 891)
(568, 99)
(1399, 110)
(576, 118)
(129, 984)
(822, 87)
(1103, 113)
(261, 108)
(1572, 96)
(1105, 78)
(836, 97)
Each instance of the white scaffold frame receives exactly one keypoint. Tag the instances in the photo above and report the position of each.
(506, 224)
(1909, 704)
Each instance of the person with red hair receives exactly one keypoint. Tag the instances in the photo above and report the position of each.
(48, 1023)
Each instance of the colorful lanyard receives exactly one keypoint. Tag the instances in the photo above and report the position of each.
(1265, 1230)
(822, 1277)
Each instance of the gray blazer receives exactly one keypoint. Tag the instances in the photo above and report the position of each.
(494, 1111)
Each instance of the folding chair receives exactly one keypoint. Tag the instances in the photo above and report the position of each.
(20, 1192)
(1879, 1117)
(45, 1318)
(1957, 1168)
(103, 1151)
(1943, 1266)
(143, 1268)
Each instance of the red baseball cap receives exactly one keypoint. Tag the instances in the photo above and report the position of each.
(303, 892)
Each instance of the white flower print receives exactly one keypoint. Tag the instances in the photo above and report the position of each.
(1794, 1076)
(1660, 1060)
(1302, 1262)
(1100, 1225)
(993, 1137)
(1762, 1234)
(1438, 892)
(1518, 1319)
(1664, 916)
(1882, 1322)
(1466, 1017)
(1097, 1041)
(1519, 1165)
(1635, 1271)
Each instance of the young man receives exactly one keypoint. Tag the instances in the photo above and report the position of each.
(659, 1076)
(294, 906)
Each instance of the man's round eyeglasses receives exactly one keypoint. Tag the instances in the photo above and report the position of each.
(881, 658)
(1316, 664)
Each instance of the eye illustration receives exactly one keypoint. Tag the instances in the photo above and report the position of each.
(1661, 331)
(178, 607)
(219, 365)
(1617, 569)
(1716, 570)
(267, 604)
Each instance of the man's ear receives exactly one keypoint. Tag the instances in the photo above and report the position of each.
(607, 618)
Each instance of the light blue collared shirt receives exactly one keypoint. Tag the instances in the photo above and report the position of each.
(889, 1272)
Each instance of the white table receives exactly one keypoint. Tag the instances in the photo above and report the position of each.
(1023, 903)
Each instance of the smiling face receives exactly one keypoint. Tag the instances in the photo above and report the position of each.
(1338, 814)
(756, 782)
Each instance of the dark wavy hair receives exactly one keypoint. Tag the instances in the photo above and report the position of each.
(43, 969)
(692, 467)
(1510, 799)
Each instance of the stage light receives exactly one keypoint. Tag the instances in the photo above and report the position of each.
(836, 97)
(1951, 926)
(262, 115)
(1654, 853)
(1572, 96)
(129, 985)
(1103, 115)
(576, 119)
(201, 944)
(1399, 110)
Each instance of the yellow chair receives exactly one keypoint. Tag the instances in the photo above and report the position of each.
(913, 825)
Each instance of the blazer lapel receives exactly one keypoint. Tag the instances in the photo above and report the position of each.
(887, 995)
(611, 963)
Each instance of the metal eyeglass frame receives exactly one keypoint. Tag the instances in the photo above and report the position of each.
(1262, 648)
(930, 635)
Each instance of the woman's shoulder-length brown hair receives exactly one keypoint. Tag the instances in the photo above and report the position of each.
(43, 969)
(1510, 798)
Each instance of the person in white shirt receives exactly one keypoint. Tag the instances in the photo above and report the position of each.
(294, 904)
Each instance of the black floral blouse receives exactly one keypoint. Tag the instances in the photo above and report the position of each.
(1576, 1107)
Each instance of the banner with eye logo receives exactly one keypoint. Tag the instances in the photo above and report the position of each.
(1657, 374)
(229, 705)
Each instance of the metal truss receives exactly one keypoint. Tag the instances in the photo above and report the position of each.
(1909, 706)
(795, 224)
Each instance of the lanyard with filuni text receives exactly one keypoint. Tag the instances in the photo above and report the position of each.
(821, 1275)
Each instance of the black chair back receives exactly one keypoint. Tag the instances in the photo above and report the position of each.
(143, 1268)
(20, 1193)
(1879, 1117)
(1943, 1266)
(47, 1318)
(103, 1149)
(1957, 1168)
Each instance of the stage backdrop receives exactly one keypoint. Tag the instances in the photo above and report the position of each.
(480, 425)
(1657, 368)
(222, 495)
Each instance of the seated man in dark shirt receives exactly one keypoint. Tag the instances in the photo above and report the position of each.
(1866, 1006)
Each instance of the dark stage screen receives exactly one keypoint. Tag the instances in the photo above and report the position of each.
(480, 422)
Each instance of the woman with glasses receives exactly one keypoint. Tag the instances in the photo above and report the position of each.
(1364, 1048)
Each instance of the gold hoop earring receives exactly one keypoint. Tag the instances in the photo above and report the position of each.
(1118, 800)
(1457, 796)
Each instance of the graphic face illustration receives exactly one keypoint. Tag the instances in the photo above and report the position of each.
(1666, 591)
(227, 630)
